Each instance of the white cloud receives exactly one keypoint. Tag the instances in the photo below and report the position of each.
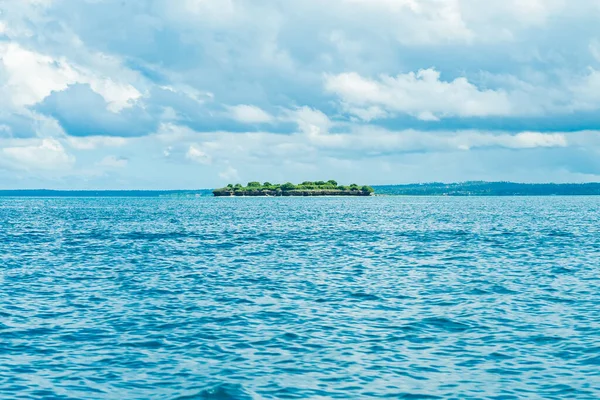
(414, 22)
(33, 76)
(373, 141)
(229, 174)
(309, 120)
(113, 162)
(354, 154)
(585, 93)
(426, 97)
(197, 155)
(249, 114)
(534, 12)
(422, 95)
(212, 12)
(523, 140)
(315, 142)
(527, 140)
(117, 95)
(94, 142)
(172, 133)
(492, 19)
(47, 154)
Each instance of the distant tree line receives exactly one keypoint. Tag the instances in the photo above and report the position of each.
(477, 188)
(104, 193)
(306, 186)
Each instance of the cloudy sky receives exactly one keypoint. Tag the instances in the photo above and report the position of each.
(168, 94)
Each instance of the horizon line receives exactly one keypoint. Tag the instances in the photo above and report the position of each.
(377, 185)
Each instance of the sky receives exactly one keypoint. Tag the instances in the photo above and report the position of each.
(184, 94)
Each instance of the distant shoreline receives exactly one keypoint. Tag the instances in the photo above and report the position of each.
(486, 189)
(465, 189)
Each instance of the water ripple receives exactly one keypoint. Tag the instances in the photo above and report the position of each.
(294, 298)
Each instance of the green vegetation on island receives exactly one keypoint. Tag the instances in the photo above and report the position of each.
(318, 188)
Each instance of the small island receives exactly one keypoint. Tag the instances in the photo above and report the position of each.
(319, 188)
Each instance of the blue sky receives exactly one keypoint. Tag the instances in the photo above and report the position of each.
(161, 94)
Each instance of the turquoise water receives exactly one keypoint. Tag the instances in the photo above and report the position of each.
(275, 298)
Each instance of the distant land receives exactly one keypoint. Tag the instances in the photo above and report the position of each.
(490, 189)
(104, 193)
(417, 189)
(306, 188)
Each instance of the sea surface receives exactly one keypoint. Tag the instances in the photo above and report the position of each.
(300, 298)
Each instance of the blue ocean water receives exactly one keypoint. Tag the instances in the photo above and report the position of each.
(294, 298)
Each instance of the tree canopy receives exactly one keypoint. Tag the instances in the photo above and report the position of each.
(305, 187)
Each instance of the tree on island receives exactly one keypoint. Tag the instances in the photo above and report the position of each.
(367, 189)
(316, 188)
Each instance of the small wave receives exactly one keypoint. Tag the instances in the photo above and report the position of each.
(499, 356)
(540, 339)
(591, 361)
(500, 289)
(559, 233)
(562, 270)
(445, 324)
(417, 396)
(222, 391)
(364, 296)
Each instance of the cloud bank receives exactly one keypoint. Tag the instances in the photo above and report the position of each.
(194, 93)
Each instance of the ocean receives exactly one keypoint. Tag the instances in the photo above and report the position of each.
(297, 298)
